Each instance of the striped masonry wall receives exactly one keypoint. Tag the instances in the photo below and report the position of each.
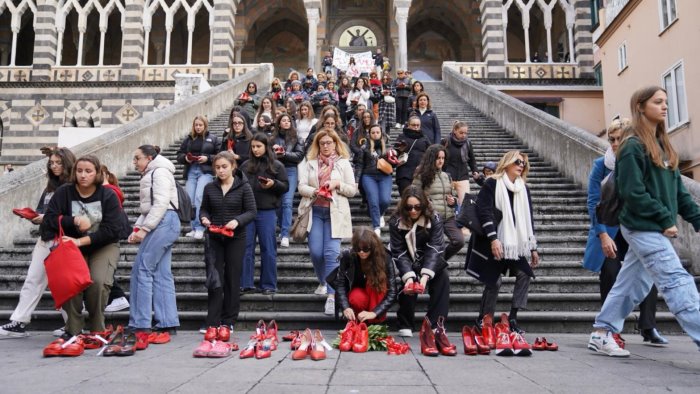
(492, 38)
(222, 51)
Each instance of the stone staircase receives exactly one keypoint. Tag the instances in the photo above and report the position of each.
(563, 298)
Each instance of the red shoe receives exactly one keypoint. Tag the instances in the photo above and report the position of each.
(272, 334)
(219, 350)
(54, 348)
(304, 348)
(263, 349)
(481, 346)
(73, 349)
(488, 332)
(520, 346)
(142, 340)
(551, 346)
(319, 346)
(503, 345)
(443, 343)
(325, 193)
(361, 342)
(540, 344)
(502, 328)
(159, 338)
(290, 336)
(468, 340)
(211, 334)
(427, 339)
(296, 342)
(227, 232)
(620, 341)
(347, 338)
(26, 213)
(392, 347)
(504, 320)
(93, 341)
(203, 349)
(260, 330)
(223, 334)
(249, 350)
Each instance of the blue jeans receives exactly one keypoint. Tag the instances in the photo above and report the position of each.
(196, 180)
(651, 259)
(284, 214)
(264, 228)
(323, 248)
(378, 194)
(152, 284)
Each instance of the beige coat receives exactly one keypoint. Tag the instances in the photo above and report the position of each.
(341, 220)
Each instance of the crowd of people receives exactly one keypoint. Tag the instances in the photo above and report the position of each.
(242, 187)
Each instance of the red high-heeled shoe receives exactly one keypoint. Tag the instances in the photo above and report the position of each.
(249, 350)
(290, 337)
(361, 339)
(427, 339)
(296, 342)
(443, 343)
(263, 349)
(481, 346)
(468, 340)
(347, 338)
(318, 347)
(304, 346)
(488, 332)
(272, 334)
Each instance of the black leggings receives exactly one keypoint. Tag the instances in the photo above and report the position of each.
(224, 302)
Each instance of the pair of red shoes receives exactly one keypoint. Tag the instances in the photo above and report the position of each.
(474, 343)
(263, 342)
(65, 347)
(395, 348)
(541, 343)
(215, 349)
(413, 288)
(226, 232)
(325, 193)
(311, 344)
(510, 343)
(355, 337)
(435, 342)
(98, 339)
(221, 333)
(25, 213)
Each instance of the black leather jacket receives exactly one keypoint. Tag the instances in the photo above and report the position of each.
(293, 151)
(210, 145)
(427, 256)
(349, 272)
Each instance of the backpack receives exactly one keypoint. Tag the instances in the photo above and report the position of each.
(185, 211)
(608, 209)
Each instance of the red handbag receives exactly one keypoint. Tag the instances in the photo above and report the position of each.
(66, 269)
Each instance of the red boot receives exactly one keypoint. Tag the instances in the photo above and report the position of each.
(443, 343)
(427, 339)
(347, 338)
(361, 342)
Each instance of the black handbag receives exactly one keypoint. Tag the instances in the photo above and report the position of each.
(468, 215)
(608, 209)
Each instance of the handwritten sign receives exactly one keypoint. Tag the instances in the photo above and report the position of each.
(363, 60)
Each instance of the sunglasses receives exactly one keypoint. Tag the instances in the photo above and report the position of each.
(519, 162)
(365, 249)
(409, 208)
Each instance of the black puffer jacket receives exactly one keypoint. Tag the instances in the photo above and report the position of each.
(209, 147)
(241, 146)
(293, 150)
(350, 276)
(427, 256)
(407, 140)
(238, 203)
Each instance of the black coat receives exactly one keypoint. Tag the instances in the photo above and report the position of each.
(480, 262)
(238, 203)
(428, 254)
(293, 151)
(349, 273)
(421, 145)
(366, 164)
(267, 198)
(210, 147)
(460, 159)
(241, 146)
(429, 124)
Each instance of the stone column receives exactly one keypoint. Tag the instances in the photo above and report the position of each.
(493, 38)
(133, 49)
(240, 45)
(583, 38)
(402, 21)
(313, 16)
(222, 39)
(44, 40)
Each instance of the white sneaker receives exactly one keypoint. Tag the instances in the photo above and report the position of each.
(405, 332)
(606, 344)
(199, 234)
(321, 290)
(190, 234)
(398, 126)
(378, 231)
(330, 306)
(117, 304)
(382, 223)
(285, 243)
(59, 332)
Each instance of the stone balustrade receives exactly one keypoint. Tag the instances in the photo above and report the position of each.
(480, 70)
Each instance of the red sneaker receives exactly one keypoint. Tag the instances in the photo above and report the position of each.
(141, 340)
(159, 338)
(520, 346)
(540, 344)
(347, 338)
(504, 347)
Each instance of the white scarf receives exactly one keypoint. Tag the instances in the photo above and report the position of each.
(516, 237)
(610, 159)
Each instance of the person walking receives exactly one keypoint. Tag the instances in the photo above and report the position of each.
(290, 152)
(376, 184)
(413, 144)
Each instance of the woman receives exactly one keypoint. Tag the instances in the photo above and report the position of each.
(421, 261)
(365, 280)
(652, 194)
(276, 92)
(237, 138)
(376, 184)
(59, 169)
(290, 152)
(353, 72)
(416, 89)
(297, 94)
(402, 83)
(305, 121)
(460, 159)
(413, 143)
(359, 94)
(228, 204)
(196, 152)
(428, 119)
(333, 91)
(505, 211)
(249, 100)
(328, 170)
(293, 76)
(321, 98)
(268, 180)
(437, 185)
(606, 247)
(343, 92)
(387, 104)
(267, 107)
(152, 283)
(290, 107)
(361, 133)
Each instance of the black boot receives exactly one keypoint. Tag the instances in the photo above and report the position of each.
(652, 336)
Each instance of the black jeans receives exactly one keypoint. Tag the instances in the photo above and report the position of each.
(439, 304)
(489, 297)
(401, 110)
(224, 302)
(455, 237)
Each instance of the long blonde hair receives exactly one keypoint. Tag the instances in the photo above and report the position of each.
(509, 158)
(206, 126)
(340, 147)
(647, 135)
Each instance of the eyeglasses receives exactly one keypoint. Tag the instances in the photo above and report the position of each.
(237, 123)
(613, 139)
(326, 143)
(519, 162)
(409, 207)
(366, 249)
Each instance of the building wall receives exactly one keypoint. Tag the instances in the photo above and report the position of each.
(650, 54)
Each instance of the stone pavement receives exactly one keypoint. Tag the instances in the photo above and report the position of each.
(171, 368)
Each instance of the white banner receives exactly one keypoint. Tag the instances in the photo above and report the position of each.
(363, 60)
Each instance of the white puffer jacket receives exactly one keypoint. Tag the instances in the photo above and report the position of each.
(164, 192)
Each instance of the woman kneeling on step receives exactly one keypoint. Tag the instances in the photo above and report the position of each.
(364, 281)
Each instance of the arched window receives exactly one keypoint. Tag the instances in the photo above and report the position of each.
(173, 25)
(89, 32)
(17, 32)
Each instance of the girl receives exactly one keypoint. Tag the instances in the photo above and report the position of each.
(414, 144)
(306, 121)
(460, 159)
(438, 187)
(267, 107)
(237, 139)
(250, 100)
(328, 170)
(196, 152)
(359, 94)
(297, 94)
(290, 152)
(361, 133)
(387, 104)
(343, 92)
(428, 119)
(268, 180)
(276, 93)
(376, 184)
(228, 203)
(653, 195)
(403, 90)
(353, 72)
(416, 88)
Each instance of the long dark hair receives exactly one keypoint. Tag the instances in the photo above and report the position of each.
(290, 135)
(246, 131)
(364, 131)
(255, 164)
(374, 267)
(67, 160)
(426, 170)
(418, 193)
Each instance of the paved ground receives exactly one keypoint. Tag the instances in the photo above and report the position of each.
(171, 368)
